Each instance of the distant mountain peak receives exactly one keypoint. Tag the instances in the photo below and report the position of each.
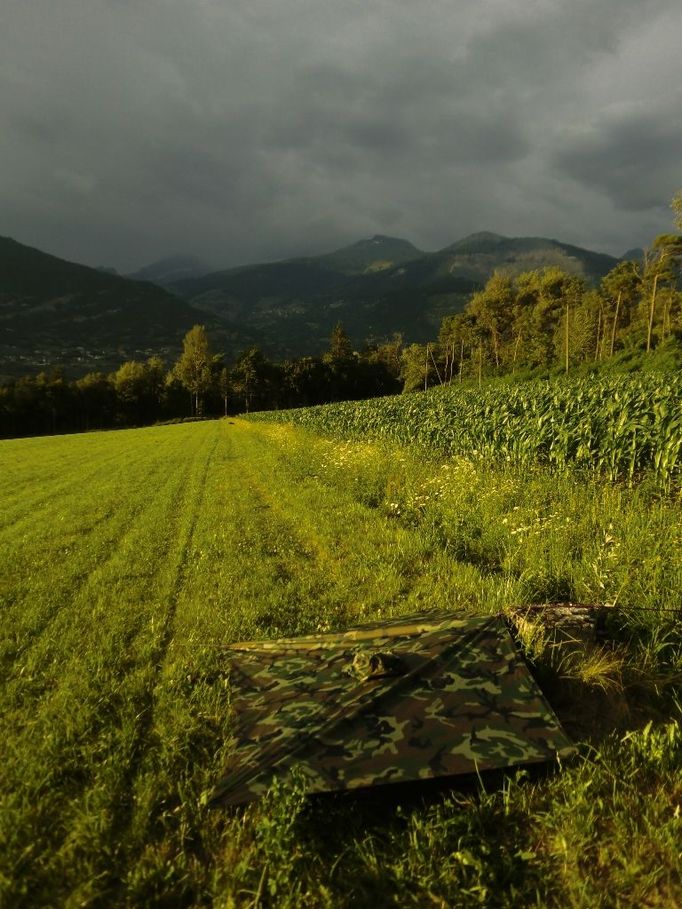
(384, 238)
(480, 254)
(379, 240)
(483, 235)
(481, 238)
(370, 254)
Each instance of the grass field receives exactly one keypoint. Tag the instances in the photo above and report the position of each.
(129, 558)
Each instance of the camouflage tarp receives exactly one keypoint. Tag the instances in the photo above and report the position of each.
(412, 699)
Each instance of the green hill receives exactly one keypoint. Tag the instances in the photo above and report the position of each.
(374, 254)
(479, 255)
(58, 313)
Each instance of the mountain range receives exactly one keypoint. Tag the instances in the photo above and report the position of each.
(54, 312)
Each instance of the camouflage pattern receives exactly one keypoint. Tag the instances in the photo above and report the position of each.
(418, 698)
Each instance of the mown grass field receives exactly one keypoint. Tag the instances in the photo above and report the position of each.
(129, 558)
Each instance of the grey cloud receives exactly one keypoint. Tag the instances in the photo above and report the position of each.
(632, 157)
(252, 130)
(484, 137)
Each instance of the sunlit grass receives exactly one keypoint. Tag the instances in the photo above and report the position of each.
(134, 556)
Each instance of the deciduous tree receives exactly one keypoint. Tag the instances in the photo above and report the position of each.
(194, 366)
(677, 209)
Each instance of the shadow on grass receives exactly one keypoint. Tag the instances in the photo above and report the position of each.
(375, 847)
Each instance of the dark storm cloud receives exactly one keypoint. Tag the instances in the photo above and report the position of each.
(642, 151)
(247, 130)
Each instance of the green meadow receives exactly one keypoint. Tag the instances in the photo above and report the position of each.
(130, 558)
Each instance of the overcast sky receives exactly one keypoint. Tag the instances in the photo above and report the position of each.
(246, 130)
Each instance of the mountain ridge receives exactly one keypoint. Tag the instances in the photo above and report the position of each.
(293, 304)
(59, 313)
(56, 312)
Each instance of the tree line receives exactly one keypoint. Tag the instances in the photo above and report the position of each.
(197, 385)
(548, 320)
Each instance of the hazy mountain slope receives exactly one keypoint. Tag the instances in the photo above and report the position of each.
(294, 304)
(376, 253)
(479, 255)
(54, 312)
(165, 272)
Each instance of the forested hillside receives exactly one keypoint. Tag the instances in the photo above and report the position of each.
(376, 287)
(55, 313)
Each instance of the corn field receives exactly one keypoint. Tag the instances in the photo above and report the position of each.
(621, 426)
